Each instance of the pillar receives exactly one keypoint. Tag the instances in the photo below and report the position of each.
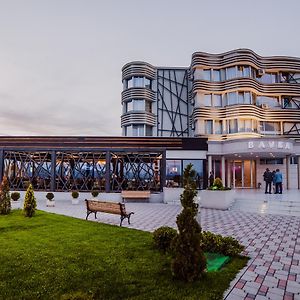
(228, 174)
(298, 169)
(287, 166)
(107, 172)
(1, 164)
(209, 164)
(53, 171)
(223, 169)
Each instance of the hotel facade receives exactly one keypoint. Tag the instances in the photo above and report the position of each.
(245, 105)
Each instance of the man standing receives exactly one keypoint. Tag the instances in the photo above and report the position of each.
(278, 182)
(268, 178)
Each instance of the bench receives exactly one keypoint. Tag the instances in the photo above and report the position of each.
(135, 195)
(93, 206)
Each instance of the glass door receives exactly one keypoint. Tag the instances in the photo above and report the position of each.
(242, 174)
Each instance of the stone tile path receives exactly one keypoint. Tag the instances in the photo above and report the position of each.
(272, 242)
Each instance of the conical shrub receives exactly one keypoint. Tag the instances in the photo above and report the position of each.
(29, 202)
(5, 205)
(189, 261)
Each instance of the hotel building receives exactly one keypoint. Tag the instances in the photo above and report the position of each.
(247, 106)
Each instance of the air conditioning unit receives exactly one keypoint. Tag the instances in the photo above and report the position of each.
(264, 105)
(260, 72)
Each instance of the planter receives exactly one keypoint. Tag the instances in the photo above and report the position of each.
(15, 204)
(75, 201)
(216, 199)
(50, 203)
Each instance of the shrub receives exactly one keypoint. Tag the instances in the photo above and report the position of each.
(75, 194)
(50, 196)
(189, 261)
(216, 243)
(29, 203)
(163, 236)
(218, 183)
(15, 196)
(5, 205)
(95, 193)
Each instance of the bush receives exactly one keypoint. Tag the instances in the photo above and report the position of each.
(75, 194)
(216, 243)
(50, 196)
(15, 196)
(29, 203)
(218, 183)
(189, 261)
(5, 205)
(163, 236)
(95, 193)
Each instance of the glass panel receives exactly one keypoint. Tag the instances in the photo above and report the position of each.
(138, 130)
(218, 127)
(233, 126)
(231, 73)
(148, 130)
(270, 127)
(207, 99)
(147, 83)
(208, 126)
(173, 173)
(232, 98)
(247, 98)
(241, 97)
(198, 167)
(217, 100)
(216, 75)
(206, 75)
(267, 101)
(238, 173)
(247, 71)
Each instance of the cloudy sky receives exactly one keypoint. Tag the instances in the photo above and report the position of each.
(61, 60)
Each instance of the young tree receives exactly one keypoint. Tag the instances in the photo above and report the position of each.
(189, 260)
(5, 205)
(29, 202)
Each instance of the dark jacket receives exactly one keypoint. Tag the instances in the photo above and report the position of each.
(268, 176)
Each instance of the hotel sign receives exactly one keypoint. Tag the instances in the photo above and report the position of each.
(268, 145)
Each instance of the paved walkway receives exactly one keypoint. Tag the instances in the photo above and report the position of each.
(272, 241)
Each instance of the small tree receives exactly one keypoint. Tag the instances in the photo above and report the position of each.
(29, 203)
(5, 205)
(189, 260)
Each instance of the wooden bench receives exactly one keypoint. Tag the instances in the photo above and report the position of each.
(93, 206)
(135, 195)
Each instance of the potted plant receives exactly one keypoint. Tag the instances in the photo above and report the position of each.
(95, 192)
(216, 196)
(15, 202)
(50, 200)
(75, 196)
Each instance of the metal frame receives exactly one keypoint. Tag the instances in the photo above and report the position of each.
(171, 94)
(286, 100)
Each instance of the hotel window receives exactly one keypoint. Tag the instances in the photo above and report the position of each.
(138, 81)
(207, 75)
(245, 125)
(208, 127)
(138, 130)
(218, 127)
(267, 78)
(271, 161)
(217, 100)
(232, 98)
(294, 160)
(148, 130)
(232, 126)
(270, 128)
(207, 99)
(135, 104)
(216, 75)
(266, 102)
(243, 71)
(231, 73)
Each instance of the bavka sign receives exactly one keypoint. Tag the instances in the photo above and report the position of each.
(270, 145)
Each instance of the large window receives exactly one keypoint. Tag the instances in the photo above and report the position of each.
(174, 172)
(206, 75)
(208, 127)
(270, 128)
(265, 101)
(267, 78)
(231, 73)
(218, 126)
(135, 104)
(232, 126)
(138, 81)
(138, 130)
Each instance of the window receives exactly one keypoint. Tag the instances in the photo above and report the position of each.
(271, 161)
(207, 99)
(138, 130)
(231, 73)
(208, 127)
(148, 130)
(206, 75)
(138, 81)
(232, 126)
(218, 127)
(270, 127)
(267, 101)
(216, 75)
(245, 125)
(267, 78)
(217, 100)
(232, 98)
(135, 104)
(294, 160)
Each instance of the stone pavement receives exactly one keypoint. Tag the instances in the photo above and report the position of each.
(272, 242)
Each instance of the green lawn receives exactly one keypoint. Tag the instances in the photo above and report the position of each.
(50, 255)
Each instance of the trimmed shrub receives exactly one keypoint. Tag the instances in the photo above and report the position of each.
(163, 236)
(75, 194)
(95, 193)
(217, 243)
(15, 196)
(218, 183)
(5, 205)
(50, 196)
(29, 202)
(189, 261)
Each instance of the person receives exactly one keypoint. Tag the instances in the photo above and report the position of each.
(278, 182)
(274, 183)
(211, 179)
(268, 178)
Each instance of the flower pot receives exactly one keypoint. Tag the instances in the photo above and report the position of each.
(216, 199)
(50, 203)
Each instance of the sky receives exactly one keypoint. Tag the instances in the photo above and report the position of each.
(61, 60)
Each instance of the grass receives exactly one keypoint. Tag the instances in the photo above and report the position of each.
(50, 255)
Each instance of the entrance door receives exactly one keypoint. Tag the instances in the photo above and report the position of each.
(243, 174)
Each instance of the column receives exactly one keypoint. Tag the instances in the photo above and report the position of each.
(298, 169)
(162, 171)
(1, 164)
(209, 158)
(107, 172)
(228, 173)
(53, 171)
(287, 166)
(223, 169)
